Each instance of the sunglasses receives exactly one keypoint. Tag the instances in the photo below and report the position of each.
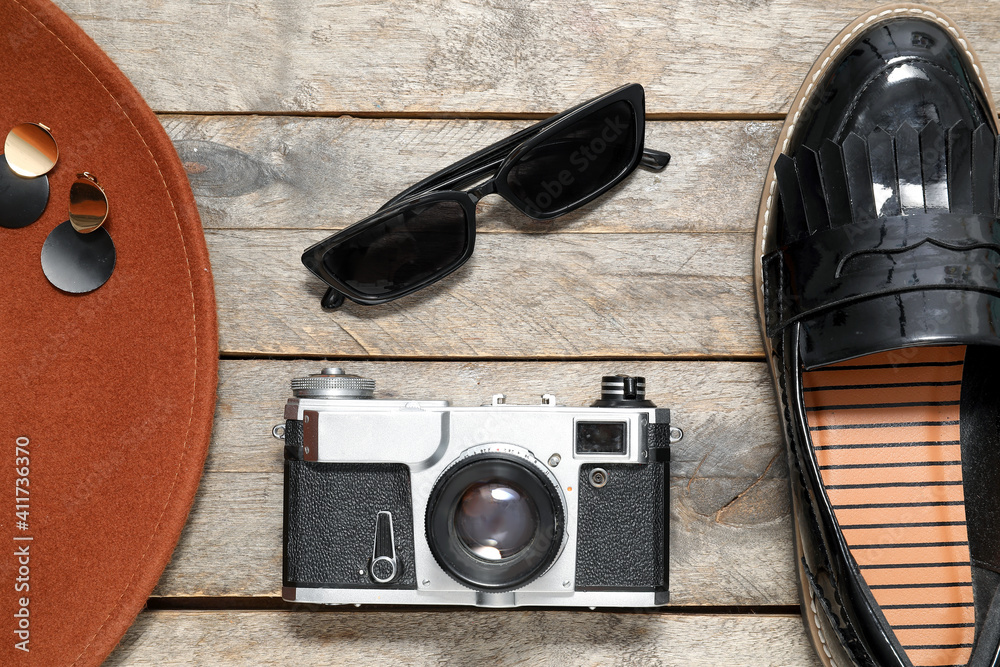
(545, 171)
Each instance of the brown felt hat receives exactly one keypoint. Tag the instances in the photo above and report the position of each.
(107, 398)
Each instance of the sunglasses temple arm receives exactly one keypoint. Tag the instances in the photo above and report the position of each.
(479, 165)
(471, 169)
(654, 160)
(332, 299)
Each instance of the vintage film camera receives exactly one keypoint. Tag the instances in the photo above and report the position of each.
(418, 502)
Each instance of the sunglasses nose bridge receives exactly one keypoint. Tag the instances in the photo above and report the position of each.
(483, 190)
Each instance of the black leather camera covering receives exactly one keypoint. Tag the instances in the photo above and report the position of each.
(294, 430)
(622, 529)
(330, 513)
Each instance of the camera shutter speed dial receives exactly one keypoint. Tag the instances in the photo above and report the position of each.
(383, 567)
(333, 383)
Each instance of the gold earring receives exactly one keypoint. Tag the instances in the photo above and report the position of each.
(30, 152)
(88, 204)
(79, 256)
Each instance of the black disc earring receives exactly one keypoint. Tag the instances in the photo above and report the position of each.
(29, 153)
(79, 255)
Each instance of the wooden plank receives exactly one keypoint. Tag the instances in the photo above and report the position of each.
(731, 540)
(349, 637)
(326, 173)
(520, 295)
(456, 56)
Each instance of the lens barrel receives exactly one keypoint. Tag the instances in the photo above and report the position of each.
(494, 522)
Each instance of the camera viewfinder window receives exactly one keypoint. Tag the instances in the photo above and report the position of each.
(600, 437)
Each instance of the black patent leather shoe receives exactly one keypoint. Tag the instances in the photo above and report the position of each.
(877, 268)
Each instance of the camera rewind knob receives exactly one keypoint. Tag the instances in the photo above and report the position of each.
(333, 383)
(623, 391)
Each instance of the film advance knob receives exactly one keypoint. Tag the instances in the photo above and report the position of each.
(333, 383)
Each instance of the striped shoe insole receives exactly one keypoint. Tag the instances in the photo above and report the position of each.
(886, 432)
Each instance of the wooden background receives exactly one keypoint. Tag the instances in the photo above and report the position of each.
(297, 117)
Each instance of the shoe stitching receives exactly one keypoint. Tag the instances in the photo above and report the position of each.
(847, 640)
(815, 612)
(770, 198)
(805, 492)
(773, 313)
(857, 98)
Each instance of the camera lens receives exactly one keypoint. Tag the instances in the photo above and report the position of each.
(495, 522)
(495, 519)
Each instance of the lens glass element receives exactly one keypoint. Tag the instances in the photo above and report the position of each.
(403, 251)
(577, 162)
(495, 519)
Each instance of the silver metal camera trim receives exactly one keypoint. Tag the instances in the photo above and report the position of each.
(359, 596)
(537, 430)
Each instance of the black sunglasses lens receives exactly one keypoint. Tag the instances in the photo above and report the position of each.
(577, 162)
(402, 252)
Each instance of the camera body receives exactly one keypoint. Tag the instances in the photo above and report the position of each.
(418, 502)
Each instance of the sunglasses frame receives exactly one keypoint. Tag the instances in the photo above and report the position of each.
(463, 182)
